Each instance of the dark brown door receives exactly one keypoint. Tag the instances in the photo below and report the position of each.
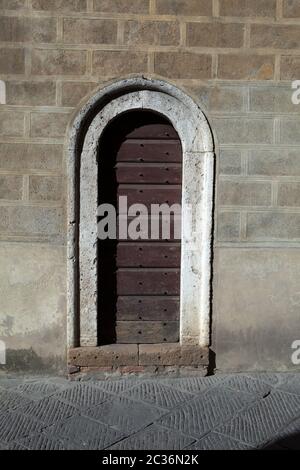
(139, 280)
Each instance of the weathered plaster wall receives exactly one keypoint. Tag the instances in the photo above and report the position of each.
(257, 301)
(238, 57)
(32, 305)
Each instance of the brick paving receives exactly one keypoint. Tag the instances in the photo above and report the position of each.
(234, 412)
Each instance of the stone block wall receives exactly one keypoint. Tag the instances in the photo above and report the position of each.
(238, 58)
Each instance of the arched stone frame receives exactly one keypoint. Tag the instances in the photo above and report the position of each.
(136, 93)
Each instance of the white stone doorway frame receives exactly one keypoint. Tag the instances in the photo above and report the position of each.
(139, 93)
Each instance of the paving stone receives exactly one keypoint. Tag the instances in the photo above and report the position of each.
(10, 383)
(194, 384)
(61, 382)
(9, 400)
(262, 420)
(291, 384)
(86, 433)
(272, 447)
(83, 395)
(16, 446)
(115, 386)
(288, 438)
(248, 385)
(271, 379)
(43, 441)
(154, 438)
(215, 441)
(49, 410)
(14, 426)
(206, 411)
(158, 394)
(38, 389)
(219, 412)
(124, 414)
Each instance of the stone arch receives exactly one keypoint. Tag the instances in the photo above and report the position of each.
(136, 93)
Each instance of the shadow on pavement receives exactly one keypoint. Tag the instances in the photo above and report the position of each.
(290, 441)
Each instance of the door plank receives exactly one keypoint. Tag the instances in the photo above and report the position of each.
(149, 174)
(147, 255)
(150, 195)
(154, 151)
(149, 282)
(147, 308)
(150, 332)
(153, 131)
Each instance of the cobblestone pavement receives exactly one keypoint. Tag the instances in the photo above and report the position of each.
(219, 412)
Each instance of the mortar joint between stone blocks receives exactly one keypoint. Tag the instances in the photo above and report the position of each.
(277, 67)
(274, 193)
(25, 189)
(90, 5)
(243, 226)
(244, 162)
(27, 124)
(279, 10)
(277, 130)
(151, 62)
(89, 63)
(215, 8)
(58, 93)
(246, 99)
(183, 27)
(59, 29)
(28, 61)
(214, 65)
(152, 7)
(247, 33)
(120, 31)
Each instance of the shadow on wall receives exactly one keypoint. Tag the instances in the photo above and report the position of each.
(28, 361)
(211, 362)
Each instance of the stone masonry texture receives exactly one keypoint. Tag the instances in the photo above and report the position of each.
(238, 58)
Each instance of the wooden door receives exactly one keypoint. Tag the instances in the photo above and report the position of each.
(139, 280)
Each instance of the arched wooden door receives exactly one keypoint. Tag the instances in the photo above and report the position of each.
(140, 157)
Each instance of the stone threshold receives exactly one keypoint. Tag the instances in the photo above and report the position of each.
(137, 355)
